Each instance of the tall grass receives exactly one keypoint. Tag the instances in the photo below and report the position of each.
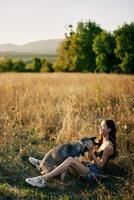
(39, 111)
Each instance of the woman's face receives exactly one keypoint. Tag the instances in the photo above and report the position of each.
(104, 130)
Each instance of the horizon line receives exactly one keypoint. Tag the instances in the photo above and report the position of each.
(25, 43)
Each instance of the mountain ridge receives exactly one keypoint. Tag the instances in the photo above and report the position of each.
(36, 47)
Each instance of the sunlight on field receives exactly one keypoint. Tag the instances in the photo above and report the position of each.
(39, 110)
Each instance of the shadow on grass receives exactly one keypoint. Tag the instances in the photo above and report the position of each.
(13, 185)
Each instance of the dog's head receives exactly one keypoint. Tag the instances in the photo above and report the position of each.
(87, 143)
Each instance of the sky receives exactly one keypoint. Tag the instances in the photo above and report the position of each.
(24, 21)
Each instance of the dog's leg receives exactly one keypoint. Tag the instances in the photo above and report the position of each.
(47, 163)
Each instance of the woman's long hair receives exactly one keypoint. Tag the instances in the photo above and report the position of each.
(112, 136)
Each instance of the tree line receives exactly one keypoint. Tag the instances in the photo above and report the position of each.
(18, 65)
(89, 48)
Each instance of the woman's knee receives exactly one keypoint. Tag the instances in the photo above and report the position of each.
(70, 160)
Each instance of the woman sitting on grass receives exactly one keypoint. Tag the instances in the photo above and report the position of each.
(100, 157)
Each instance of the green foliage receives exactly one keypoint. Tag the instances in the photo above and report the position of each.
(46, 66)
(12, 65)
(87, 49)
(75, 52)
(103, 46)
(124, 50)
(6, 65)
(29, 66)
(62, 61)
(36, 64)
(18, 66)
(86, 32)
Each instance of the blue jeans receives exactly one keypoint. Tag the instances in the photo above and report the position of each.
(94, 172)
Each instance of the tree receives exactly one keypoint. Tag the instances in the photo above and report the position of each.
(75, 52)
(46, 66)
(66, 53)
(37, 64)
(103, 46)
(62, 61)
(29, 66)
(18, 66)
(85, 56)
(124, 37)
(6, 64)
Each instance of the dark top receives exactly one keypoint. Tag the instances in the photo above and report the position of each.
(100, 153)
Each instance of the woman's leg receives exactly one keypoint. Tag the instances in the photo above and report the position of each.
(69, 162)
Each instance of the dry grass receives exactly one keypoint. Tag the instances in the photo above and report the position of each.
(41, 110)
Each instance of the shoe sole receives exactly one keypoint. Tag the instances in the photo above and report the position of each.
(34, 185)
(34, 164)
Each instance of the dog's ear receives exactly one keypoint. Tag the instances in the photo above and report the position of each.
(83, 140)
(93, 140)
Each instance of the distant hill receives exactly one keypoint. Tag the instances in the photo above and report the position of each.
(45, 47)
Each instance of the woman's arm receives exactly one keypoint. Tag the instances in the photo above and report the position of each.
(101, 161)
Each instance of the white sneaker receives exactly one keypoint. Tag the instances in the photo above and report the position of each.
(35, 162)
(36, 182)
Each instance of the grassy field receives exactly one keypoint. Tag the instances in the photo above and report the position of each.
(38, 111)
